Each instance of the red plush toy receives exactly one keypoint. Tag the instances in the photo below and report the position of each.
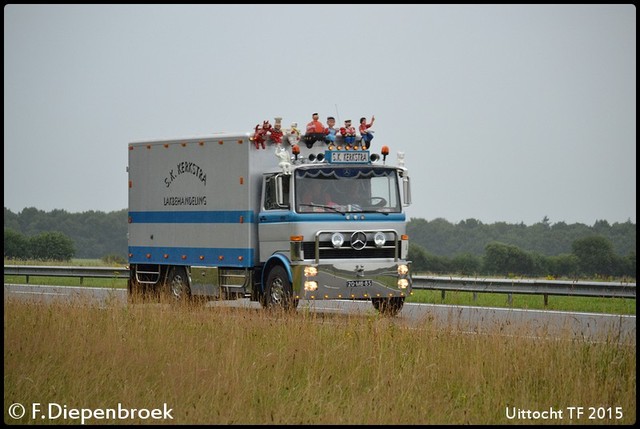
(276, 131)
(261, 133)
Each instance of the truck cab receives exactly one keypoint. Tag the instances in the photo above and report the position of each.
(336, 225)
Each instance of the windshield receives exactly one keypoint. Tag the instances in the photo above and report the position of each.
(347, 189)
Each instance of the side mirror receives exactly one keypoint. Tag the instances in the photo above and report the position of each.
(280, 191)
(406, 190)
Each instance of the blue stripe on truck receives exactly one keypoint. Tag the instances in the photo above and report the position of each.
(204, 256)
(289, 216)
(231, 216)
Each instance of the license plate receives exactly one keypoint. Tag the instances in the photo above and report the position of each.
(359, 283)
(343, 156)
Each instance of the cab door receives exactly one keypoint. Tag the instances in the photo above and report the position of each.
(274, 228)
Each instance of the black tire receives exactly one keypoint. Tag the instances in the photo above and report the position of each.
(177, 288)
(278, 293)
(388, 306)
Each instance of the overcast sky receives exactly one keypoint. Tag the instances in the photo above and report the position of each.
(506, 113)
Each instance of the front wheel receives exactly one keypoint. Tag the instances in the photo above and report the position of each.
(278, 290)
(388, 306)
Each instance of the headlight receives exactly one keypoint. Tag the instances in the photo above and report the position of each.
(310, 286)
(379, 239)
(403, 269)
(337, 240)
(403, 283)
(310, 271)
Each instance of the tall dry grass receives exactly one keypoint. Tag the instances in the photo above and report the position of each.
(215, 365)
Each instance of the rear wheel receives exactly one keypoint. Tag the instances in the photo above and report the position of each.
(388, 306)
(278, 290)
(177, 287)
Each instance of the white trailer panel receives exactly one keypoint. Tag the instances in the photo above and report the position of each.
(187, 207)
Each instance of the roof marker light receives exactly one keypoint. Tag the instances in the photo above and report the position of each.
(385, 152)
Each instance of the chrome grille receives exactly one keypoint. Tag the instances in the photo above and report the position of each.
(346, 251)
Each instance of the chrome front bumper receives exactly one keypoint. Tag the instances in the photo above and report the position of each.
(355, 279)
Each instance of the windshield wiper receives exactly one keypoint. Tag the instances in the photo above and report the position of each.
(372, 211)
(356, 208)
(322, 206)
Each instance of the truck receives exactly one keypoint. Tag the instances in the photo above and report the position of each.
(223, 217)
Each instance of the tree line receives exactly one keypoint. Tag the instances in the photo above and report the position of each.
(94, 234)
(437, 246)
(590, 257)
(543, 249)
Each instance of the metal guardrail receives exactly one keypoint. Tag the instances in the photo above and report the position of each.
(460, 284)
(527, 286)
(55, 271)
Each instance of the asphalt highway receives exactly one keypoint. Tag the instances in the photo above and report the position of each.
(467, 319)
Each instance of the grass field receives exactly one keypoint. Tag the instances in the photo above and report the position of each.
(238, 366)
